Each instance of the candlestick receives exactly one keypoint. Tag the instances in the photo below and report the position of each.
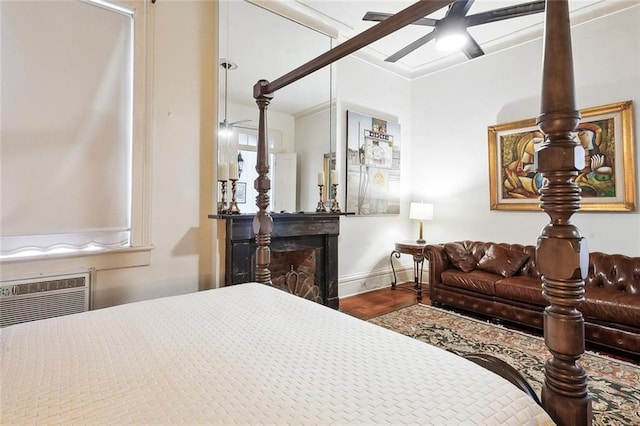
(335, 207)
(320, 178)
(222, 204)
(233, 206)
(320, 207)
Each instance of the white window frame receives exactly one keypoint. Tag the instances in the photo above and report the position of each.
(138, 253)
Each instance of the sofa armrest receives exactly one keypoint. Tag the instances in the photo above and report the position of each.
(438, 262)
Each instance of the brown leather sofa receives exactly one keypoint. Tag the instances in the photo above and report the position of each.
(501, 281)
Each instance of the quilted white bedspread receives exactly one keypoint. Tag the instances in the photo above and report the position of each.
(247, 354)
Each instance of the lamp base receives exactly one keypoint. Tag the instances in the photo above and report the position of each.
(421, 241)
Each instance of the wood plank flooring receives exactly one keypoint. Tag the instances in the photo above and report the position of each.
(374, 303)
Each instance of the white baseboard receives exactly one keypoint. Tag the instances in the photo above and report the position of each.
(351, 285)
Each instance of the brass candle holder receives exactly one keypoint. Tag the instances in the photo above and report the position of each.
(320, 207)
(233, 206)
(335, 207)
(222, 204)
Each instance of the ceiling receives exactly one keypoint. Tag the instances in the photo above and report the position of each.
(346, 17)
(264, 45)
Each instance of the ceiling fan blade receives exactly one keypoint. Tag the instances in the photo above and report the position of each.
(459, 8)
(506, 13)
(379, 16)
(238, 122)
(411, 47)
(472, 49)
(375, 16)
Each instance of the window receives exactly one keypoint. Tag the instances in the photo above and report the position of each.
(247, 148)
(74, 128)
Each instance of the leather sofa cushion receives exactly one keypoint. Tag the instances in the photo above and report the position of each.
(460, 257)
(477, 281)
(501, 260)
(611, 306)
(478, 249)
(524, 289)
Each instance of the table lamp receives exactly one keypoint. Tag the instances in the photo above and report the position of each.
(421, 212)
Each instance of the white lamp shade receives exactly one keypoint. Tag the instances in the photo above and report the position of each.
(421, 211)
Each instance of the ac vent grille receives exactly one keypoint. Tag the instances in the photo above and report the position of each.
(40, 286)
(45, 297)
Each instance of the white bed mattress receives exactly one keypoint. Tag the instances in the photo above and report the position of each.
(247, 354)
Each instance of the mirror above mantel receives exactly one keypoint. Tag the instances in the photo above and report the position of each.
(259, 43)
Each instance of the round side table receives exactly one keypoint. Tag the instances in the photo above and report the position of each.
(417, 251)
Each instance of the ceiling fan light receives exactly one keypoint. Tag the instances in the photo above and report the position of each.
(450, 41)
(225, 130)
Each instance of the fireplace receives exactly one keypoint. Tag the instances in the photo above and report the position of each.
(304, 253)
(295, 270)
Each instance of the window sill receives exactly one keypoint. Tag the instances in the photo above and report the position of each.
(114, 259)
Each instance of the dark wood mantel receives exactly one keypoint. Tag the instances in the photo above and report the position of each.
(317, 231)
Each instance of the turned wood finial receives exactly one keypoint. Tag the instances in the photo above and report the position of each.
(562, 255)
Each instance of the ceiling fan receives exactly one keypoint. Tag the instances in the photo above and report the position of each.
(226, 127)
(455, 24)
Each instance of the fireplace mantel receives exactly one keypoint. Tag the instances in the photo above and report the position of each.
(291, 231)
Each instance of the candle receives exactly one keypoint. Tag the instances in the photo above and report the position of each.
(334, 177)
(233, 170)
(223, 171)
(320, 178)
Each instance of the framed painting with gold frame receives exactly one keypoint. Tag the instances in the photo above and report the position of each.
(607, 181)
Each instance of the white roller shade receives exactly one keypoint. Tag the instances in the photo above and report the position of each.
(66, 126)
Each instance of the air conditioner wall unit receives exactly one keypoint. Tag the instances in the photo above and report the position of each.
(44, 296)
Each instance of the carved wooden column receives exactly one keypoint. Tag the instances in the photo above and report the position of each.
(262, 222)
(562, 254)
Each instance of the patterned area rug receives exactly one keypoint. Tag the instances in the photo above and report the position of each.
(614, 385)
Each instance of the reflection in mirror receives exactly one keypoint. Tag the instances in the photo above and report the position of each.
(254, 44)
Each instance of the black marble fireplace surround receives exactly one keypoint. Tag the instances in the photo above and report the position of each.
(298, 239)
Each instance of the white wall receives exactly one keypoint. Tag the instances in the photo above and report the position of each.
(365, 242)
(182, 138)
(445, 145)
(455, 107)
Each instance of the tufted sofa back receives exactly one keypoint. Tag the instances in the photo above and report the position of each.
(614, 272)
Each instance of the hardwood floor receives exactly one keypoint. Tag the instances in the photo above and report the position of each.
(371, 304)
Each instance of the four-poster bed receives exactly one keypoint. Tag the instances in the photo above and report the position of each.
(250, 353)
(562, 253)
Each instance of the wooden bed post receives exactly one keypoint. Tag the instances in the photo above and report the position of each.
(562, 254)
(262, 222)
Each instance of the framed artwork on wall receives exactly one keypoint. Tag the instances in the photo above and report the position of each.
(241, 192)
(607, 180)
(373, 165)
